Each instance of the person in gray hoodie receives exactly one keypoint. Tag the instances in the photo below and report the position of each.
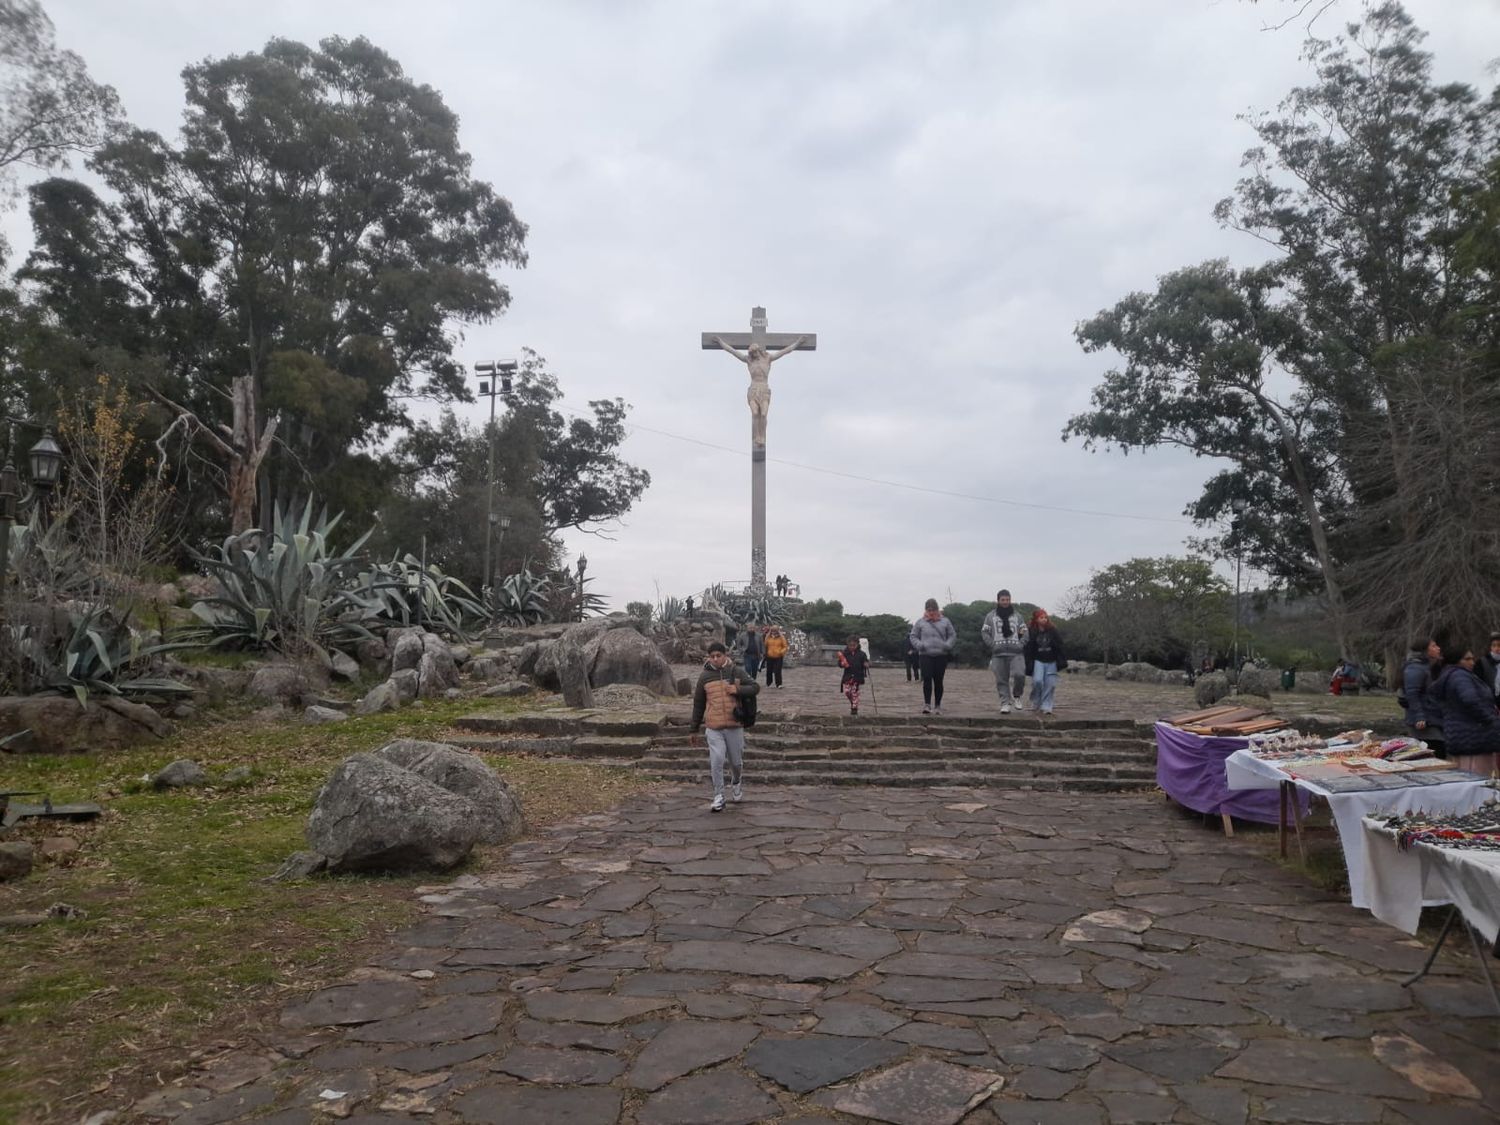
(934, 637)
(1005, 634)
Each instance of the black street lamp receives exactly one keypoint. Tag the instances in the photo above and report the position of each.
(44, 459)
(583, 562)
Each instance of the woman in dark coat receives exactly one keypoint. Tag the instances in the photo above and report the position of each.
(856, 666)
(1471, 726)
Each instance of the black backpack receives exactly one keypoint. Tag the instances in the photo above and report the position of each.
(744, 710)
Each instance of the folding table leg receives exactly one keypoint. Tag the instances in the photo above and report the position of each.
(1438, 945)
(1482, 957)
(1297, 823)
(1281, 822)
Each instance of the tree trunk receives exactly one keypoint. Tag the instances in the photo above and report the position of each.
(1303, 485)
(243, 451)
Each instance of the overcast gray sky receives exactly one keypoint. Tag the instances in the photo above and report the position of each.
(940, 191)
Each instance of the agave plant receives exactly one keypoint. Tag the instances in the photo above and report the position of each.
(570, 600)
(45, 558)
(756, 606)
(670, 610)
(400, 586)
(97, 654)
(284, 589)
(521, 599)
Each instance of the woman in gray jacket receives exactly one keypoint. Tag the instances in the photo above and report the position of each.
(933, 636)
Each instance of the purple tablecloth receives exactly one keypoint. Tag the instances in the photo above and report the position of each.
(1190, 767)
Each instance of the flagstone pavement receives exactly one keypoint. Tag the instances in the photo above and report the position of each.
(913, 956)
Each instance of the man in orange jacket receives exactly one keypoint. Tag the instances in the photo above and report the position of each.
(775, 654)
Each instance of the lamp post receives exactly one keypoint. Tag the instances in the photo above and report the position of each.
(44, 460)
(1236, 526)
(583, 562)
(494, 383)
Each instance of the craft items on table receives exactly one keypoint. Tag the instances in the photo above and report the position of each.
(1352, 774)
(1422, 858)
(1190, 753)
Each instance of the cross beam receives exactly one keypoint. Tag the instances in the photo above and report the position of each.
(773, 341)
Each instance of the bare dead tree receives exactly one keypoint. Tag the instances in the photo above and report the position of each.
(1447, 574)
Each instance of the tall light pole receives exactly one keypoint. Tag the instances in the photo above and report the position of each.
(583, 562)
(1236, 527)
(495, 382)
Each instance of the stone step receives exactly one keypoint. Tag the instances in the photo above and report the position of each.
(955, 779)
(563, 723)
(804, 723)
(1018, 740)
(1129, 755)
(583, 746)
(1053, 768)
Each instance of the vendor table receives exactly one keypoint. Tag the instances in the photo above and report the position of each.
(1400, 883)
(1242, 770)
(1190, 769)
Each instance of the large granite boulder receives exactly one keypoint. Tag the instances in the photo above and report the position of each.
(59, 724)
(624, 656)
(287, 683)
(384, 696)
(16, 860)
(374, 815)
(1258, 681)
(1211, 688)
(600, 651)
(436, 670)
(344, 666)
(458, 771)
(406, 648)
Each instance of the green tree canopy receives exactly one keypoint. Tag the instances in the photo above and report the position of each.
(300, 257)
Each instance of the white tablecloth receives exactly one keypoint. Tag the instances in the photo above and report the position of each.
(1242, 770)
(1401, 883)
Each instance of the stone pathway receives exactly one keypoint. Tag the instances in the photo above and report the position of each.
(913, 956)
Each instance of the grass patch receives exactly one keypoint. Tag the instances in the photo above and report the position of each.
(184, 943)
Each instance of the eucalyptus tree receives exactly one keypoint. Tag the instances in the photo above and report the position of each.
(1297, 375)
(304, 252)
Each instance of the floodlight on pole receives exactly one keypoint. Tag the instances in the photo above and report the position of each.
(495, 383)
(1236, 529)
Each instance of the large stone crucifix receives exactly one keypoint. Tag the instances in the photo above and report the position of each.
(757, 350)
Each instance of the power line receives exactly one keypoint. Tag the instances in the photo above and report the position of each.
(918, 487)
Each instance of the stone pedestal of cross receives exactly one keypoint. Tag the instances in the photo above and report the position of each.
(757, 350)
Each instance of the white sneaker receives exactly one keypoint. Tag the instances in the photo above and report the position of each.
(937, 710)
(926, 710)
(718, 804)
(737, 792)
(1005, 708)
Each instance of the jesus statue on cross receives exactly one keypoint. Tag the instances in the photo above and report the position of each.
(758, 395)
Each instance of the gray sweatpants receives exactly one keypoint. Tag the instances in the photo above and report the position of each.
(731, 742)
(1009, 671)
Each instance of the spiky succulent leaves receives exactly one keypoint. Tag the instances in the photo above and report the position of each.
(285, 591)
(96, 655)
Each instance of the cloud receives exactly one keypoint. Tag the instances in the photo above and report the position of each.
(940, 192)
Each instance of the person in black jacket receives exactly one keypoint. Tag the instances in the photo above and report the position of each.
(1471, 726)
(1487, 667)
(1044, 660)
(856, 666)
